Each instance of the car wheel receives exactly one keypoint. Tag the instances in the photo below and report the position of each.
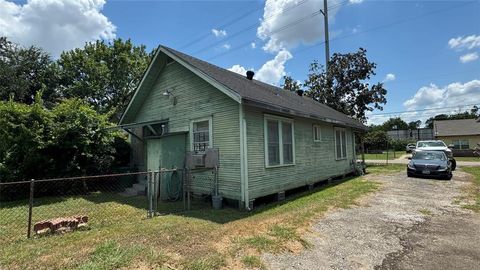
(449, 177)
(409, 175)
(454, 164)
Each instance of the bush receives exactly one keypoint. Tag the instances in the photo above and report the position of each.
(70, 140)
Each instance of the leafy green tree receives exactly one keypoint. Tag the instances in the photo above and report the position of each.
(342, 87)
(376, 139)
(414, 124)
(23, 136)
(70, 140)
(26, 71)
(79, 140)
(472, 114)
(290, 84)
(394, 123)
(104, 74)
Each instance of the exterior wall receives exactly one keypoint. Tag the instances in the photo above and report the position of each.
(472, 140)
(314, 161)
(195, 99)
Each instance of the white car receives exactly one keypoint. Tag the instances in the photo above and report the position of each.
(436, 145)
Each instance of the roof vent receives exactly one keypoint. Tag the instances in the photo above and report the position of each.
(250, 75)
(300, 92)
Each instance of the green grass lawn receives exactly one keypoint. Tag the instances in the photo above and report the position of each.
(391, 155)
(474, 189)
(120, 236)
(467, 159)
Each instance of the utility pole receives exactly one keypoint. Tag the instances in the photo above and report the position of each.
(327, 45)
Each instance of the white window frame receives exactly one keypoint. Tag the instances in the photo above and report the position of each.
(210, 131)
(461, 143)
(318, 130)
(280, 121)
(342, 144)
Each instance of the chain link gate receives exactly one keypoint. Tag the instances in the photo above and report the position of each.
(177, 190)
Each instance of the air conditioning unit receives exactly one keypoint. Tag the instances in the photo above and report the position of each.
(198, 160)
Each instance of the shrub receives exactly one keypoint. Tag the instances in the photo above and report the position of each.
(69, 140)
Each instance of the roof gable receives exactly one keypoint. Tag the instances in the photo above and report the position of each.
(237, 87)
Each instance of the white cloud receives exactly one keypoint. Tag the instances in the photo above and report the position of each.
(239, 69)
(356, 1)
(280, 13)
(219, 33)
(469, 57)
(226, 46)
(389, 77)
(433, 100)
(253, 45)
(271, 72)
(55, 25)
(468, 42)
(453, 95)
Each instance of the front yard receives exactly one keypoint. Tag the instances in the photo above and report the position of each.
(120, 236)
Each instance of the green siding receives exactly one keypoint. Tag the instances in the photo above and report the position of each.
(196, 99)
(314, 161)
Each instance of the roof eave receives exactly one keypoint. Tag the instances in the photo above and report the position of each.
(287, 111)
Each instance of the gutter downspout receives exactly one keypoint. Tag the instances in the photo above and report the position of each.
(243, 157)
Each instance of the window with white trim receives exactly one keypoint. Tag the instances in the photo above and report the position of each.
(460, 144)
(317, 133)
(279, 141)
(201, 137)
(340, 143)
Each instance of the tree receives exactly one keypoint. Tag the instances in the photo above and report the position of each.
(376, 139)
(342, 87)
(394, 123)
(70, 140)
(472, 114)
(26, 71)
(414, 124)
(290, 84)
(104, 74)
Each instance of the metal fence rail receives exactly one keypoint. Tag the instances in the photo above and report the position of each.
(104, 200)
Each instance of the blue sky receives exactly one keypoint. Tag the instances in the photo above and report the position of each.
(430, 49)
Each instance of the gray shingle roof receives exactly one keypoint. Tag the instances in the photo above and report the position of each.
(461, 127)
(257, 92)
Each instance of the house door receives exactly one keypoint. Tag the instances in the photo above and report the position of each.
(167, 153)
(153, 154)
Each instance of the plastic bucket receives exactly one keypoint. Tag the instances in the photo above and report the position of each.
(217, 202)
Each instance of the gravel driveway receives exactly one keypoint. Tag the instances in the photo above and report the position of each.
(409, 223)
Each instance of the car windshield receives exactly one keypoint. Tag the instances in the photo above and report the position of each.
(431, 144)
(429, 156)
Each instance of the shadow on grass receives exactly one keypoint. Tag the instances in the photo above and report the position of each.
(200, 208)
(229, 214)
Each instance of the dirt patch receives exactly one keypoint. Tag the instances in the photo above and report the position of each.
(410, 223)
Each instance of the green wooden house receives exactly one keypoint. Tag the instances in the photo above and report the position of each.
(269, 140)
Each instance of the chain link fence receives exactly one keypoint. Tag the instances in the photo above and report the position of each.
(50, 205)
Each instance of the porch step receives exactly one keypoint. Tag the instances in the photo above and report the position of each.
(140, 188)
(135, 190)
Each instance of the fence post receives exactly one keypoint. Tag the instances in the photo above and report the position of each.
(156, 184)
(30, 207)
(149, 193)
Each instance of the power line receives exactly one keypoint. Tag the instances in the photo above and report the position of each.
(388, 25)
(422, 110)
(249, 27)
(316, 13)
(244, 15)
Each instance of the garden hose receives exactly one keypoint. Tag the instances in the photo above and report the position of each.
(174, 187)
